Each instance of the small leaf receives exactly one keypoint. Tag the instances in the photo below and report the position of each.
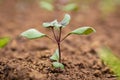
(51, 24)
(57, 25)
(66, 20)
(46, 5)
(83, 31)
(70, 7)
(32, 34)
(46, 25)
(58, 65)
(4, 41)
(55, 56)
(107, 9)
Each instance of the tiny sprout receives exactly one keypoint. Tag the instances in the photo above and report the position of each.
(56, 57)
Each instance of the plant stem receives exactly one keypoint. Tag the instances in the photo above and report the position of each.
(59, 49)
(60, 34)
(58, 40)
(59, 44)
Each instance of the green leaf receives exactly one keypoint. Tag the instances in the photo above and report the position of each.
(56, 24)
(110, 60)
(32, 34)
(70, 7)
(83, 31)
(46, 5)
(47, 24)
(55, 56)
(52, 24)
(109, 8)
(58, 65)
(4, 41)
(65, 20)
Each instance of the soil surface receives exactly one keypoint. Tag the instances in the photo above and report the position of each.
(24, 59)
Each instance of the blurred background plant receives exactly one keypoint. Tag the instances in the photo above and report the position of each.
(46, 4)
(105, 6)
(4, 41)
(108, 6)
(110, 59)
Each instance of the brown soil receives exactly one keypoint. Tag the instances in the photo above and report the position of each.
(24, 59)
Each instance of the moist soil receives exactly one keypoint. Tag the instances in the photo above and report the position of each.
(24, 59)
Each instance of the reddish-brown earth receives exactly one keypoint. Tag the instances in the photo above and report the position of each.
(24, 59)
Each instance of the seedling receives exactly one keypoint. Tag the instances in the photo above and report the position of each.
(57, 26)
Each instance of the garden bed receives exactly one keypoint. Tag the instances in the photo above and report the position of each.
(24, 59)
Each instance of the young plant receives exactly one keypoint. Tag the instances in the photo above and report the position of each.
(57, 26)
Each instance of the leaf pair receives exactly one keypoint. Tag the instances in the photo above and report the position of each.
(55, 57)
(57, 24)
(33, 33)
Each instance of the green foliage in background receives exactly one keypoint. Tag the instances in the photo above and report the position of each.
(46, 5)
(4, 41)
(1, 1)
(110, 59)
(108, 6)
(70, 7)
(105, 6)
